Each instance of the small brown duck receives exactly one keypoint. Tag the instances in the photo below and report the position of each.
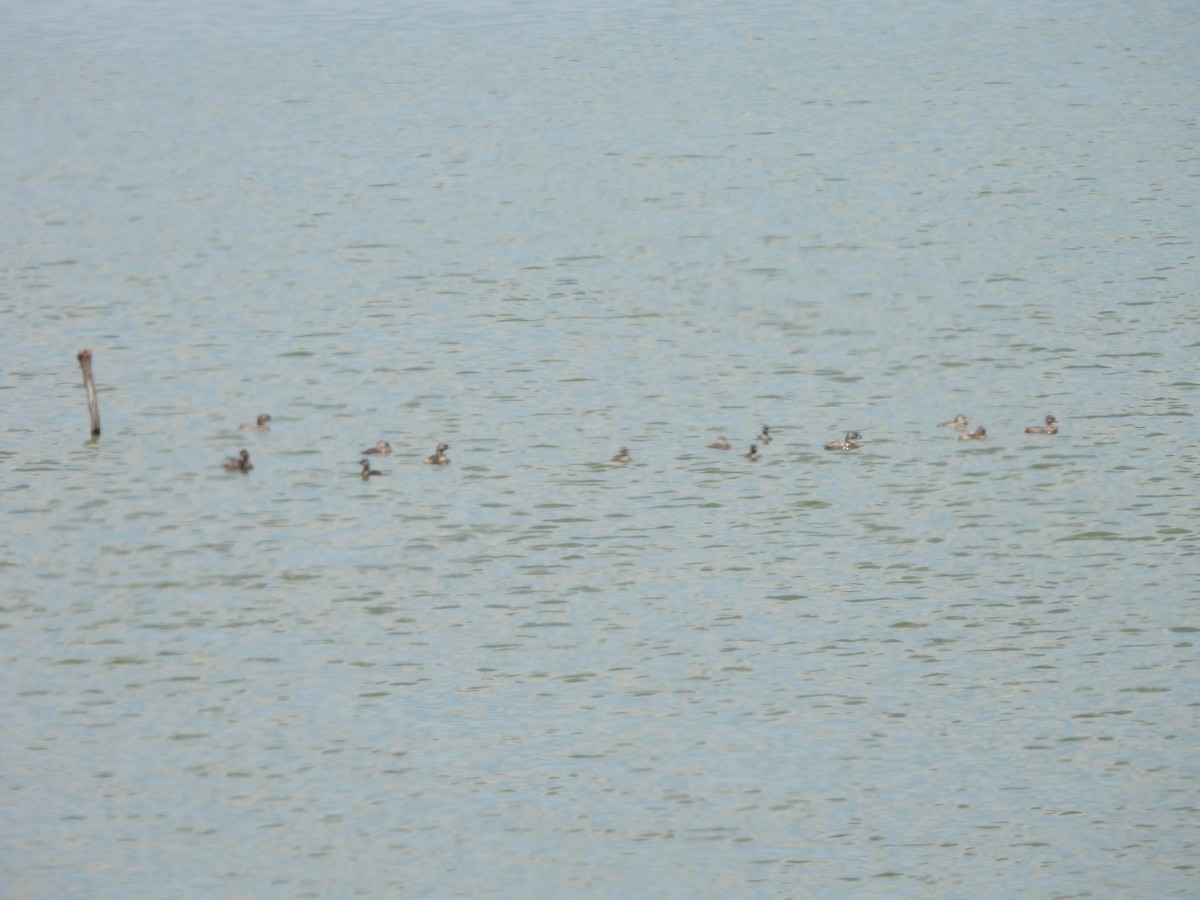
(239, 463)
(439, 457)
(259, 424)
(979, 434)
(367, 471)
(959, 421)
(383, 447)
(753, 453)
(622, 456)
(1051, 427)
(721, 443)
(851, 442)
(765, 437)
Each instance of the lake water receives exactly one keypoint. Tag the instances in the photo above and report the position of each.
(540, 232)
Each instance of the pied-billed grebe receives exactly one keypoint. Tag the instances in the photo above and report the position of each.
(439, 457)
(1051, 427)
(979, 434)
(753, 453)
(382, 447)
(239, 463)
(851, 442)
(765, 437)
(260, 424)
(622, 456)
(959, 421)
(721, 443)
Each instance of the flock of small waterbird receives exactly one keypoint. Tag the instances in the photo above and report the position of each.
(852, 441)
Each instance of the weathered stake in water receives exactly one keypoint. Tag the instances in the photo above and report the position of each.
(85, 363)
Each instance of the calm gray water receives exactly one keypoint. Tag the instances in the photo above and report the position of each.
(539, 232)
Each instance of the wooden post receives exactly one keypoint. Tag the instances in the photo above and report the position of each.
(85, 363)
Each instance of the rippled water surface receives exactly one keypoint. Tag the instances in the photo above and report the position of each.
(541, 232)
